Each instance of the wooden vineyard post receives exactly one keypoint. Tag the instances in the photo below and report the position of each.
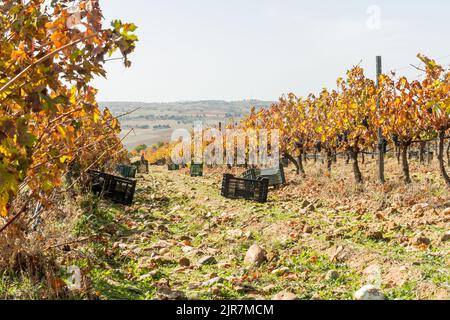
(428, 153)
(381, 176)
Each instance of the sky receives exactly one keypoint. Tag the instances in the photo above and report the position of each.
(260, 49)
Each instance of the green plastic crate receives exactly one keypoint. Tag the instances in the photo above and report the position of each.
(127, 171)
(251, 174)
(173, 167)
(141, 167)
(197, 170)
(276, 179)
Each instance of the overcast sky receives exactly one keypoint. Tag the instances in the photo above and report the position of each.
(243, 49)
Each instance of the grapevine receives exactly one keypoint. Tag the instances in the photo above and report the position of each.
(346, 120)
(49, 118)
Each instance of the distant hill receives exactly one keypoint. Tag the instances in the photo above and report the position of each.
(242, 106)
(154, 122)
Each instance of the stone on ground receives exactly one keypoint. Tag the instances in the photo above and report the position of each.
(285, 296)
(255, 256)
(184, 262)
(208, 260)
(446, 237)
(332, 275)
(369, 293)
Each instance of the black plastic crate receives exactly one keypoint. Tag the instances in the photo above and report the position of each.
(173, 167)
(196, 170)
(238, 188)
(117, 189)
(98, 180)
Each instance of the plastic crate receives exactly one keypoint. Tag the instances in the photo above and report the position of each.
(141, 167)
(98, 180)
(196, 170)
(251, 174)
(117, 189)
(238, 188)
(173, 167)
(276, 179)
(127, 171)
(414, 154)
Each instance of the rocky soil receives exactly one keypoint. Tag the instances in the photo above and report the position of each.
(317, 238)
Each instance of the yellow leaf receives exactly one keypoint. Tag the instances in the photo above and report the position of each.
(62, 131)
(63, 159)
(5, 151)
(4, 198)
(8, 187)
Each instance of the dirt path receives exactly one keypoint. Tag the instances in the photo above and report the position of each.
(182, 239)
